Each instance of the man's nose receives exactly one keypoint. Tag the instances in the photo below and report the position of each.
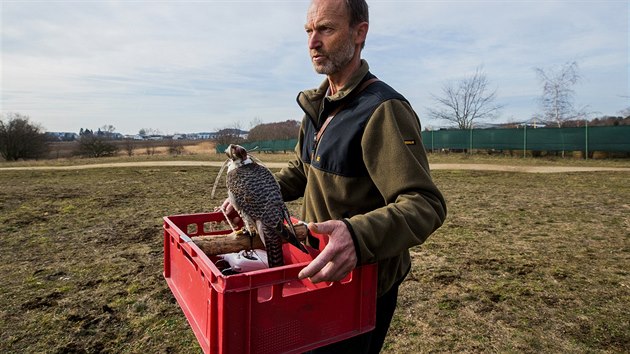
(314, 41)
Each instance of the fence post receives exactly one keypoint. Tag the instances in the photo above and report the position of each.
(471, 140)
(524, 140)
(586, 142)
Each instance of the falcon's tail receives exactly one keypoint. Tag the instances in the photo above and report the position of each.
(288, 233)
(273, 244)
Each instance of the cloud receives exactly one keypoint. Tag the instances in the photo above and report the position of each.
(204, 65)
(509, 38)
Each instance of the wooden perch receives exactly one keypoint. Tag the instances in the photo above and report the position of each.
(230, 243)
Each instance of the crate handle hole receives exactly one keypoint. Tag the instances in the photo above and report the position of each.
(192, 262)
(265, 294)
(192, 229)
(347, 279)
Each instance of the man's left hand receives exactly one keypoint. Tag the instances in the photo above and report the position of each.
(337, 259)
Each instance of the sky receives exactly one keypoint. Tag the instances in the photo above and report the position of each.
(200, 66)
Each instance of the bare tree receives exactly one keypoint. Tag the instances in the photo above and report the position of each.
(275, 131)
(626, 111)
(94, 145)
(230, 135)
(255, 122)
(175, 147)
(108, 128)
(150, 148)
(466, 101)
(130, 146)
(557, 96)
(20, 139)
(148, 131)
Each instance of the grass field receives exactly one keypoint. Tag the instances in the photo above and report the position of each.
(524, 263)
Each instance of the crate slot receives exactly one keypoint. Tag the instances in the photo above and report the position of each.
(188, 257)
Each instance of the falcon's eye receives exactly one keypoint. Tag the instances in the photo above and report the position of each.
(240, 152)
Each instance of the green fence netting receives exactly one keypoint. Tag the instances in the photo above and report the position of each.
(611, 139)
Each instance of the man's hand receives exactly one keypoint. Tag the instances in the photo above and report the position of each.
(230, 212)
(338, 257)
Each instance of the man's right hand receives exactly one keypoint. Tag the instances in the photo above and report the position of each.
(229, 210)
(337, 259)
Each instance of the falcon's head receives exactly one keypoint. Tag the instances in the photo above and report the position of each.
(236, 152)
(237, 155)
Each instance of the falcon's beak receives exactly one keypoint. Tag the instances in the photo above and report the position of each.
(228, 151)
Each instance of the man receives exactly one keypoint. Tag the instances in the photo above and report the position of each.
(360, 166)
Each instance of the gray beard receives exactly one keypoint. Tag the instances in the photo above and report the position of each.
(336, 61)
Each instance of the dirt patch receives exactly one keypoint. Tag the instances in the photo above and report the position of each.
(525, 169)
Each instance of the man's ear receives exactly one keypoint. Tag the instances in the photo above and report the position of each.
(360, 32)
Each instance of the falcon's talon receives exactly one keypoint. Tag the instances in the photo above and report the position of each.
(249, 254)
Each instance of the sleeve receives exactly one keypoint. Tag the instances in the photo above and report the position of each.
(398, 166)
(292, 178)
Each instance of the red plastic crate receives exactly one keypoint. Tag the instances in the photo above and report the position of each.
(265, 311)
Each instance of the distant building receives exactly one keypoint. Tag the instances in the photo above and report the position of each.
(206, 136)
(231, 132)
(134, 137)
(62, 136)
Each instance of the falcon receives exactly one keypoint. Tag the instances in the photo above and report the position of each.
(255, 195)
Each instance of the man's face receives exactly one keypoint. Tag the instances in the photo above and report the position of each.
(330, 39)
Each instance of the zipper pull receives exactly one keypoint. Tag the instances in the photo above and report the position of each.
(314, 146)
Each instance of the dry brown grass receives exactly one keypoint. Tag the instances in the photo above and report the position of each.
(524, 263)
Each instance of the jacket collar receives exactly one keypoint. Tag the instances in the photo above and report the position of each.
(311, 100)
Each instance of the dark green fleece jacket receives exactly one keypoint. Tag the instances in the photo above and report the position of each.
(369, 169)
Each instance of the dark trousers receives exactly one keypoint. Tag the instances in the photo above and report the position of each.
(369, 342)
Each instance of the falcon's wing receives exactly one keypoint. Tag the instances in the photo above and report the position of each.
(258, 196)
